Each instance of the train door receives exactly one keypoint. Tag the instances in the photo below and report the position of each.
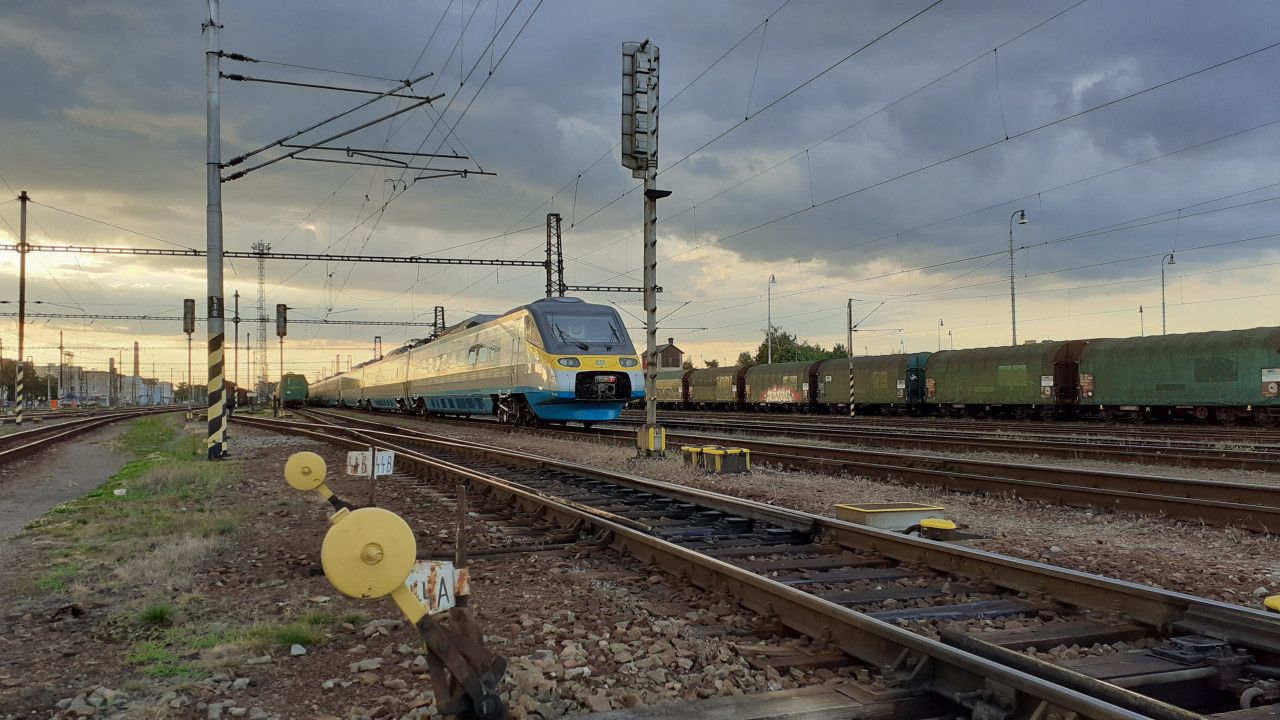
(915, 387)
(1066, 382)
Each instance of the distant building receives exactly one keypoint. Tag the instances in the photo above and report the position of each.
(96, 386)
(670, 356)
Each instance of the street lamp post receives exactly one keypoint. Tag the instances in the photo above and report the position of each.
(769, 314)
(1013, 295)
(940, 333)
(951, 339)
(1166, 260)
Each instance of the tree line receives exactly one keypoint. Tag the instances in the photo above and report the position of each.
(786, 348)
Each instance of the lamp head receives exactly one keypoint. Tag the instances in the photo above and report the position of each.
(1171, 260)
(1022, 217)
(773, 280)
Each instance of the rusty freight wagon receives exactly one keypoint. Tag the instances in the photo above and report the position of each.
(1040, 378)
(882, 383)
(717, 388)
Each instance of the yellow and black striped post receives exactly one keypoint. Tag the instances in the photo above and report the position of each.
(852, 411)
(213, 238)
(19, 394)
(217, 397)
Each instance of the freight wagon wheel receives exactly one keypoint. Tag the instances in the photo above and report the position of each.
(1262, 418)
(1201, 413)
(1226, 417)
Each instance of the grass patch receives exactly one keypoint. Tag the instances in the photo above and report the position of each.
(57, 578)
(298, 632)
(155, 659)
(157, 615)
(154, 535)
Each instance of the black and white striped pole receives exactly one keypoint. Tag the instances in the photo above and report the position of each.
(19, 394)
(849, 351)
(213, 239)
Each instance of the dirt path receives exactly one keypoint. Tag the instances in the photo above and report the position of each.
(34, 484)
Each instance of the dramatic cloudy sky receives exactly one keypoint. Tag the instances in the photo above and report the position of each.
(887, 179)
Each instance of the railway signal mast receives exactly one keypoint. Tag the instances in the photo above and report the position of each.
(640, 155)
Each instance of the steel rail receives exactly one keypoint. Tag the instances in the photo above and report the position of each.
(1052, 447)
(1155, 431)
(1149, 605)
(1248, 506)
(20, 444)
(941, 668)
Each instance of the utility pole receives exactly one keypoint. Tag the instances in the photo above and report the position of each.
(61, 363)
(640, 154)
(235, 320)
(189, 327)
(1142, 323)
(18, 394)
(939, 334)
(1013, 297)
(137, 374)
(769, 315)
(282, 322)
(848, 343)
(1164, 325)
(853, 327)
(213, 238)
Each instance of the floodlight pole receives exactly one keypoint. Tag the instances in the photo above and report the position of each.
(216, 437)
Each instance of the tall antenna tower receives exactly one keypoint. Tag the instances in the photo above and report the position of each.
(260, 352)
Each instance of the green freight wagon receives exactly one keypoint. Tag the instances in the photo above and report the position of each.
(670, 387)
(1226, 375)
(779, 384)
(294, 389)
(881, 382)
(717, 387)
(1040, 377)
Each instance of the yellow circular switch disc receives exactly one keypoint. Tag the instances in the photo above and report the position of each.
(304, 471)
(368, 553)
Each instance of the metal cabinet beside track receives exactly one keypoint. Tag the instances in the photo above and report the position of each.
(1042, 376)
(1225, 375)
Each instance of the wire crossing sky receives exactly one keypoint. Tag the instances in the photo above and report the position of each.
(872, 150)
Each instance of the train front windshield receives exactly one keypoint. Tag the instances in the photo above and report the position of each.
(593, 333)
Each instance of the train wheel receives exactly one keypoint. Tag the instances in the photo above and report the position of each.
(1262, 418)
(1226, 417)
(588, 424)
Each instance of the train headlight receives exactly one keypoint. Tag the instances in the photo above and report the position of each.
(568, 361)
(629, 362)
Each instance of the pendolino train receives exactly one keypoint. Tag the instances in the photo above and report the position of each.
(1226, 377)
(553, 360)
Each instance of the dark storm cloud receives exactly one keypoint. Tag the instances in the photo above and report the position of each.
(110, 123)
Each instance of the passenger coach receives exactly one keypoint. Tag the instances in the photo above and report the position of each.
(553, 360)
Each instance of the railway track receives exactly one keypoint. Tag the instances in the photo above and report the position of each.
(1167, 452)
(19, 444)
(1254, 507)
(928, 619)
(1202, 435)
